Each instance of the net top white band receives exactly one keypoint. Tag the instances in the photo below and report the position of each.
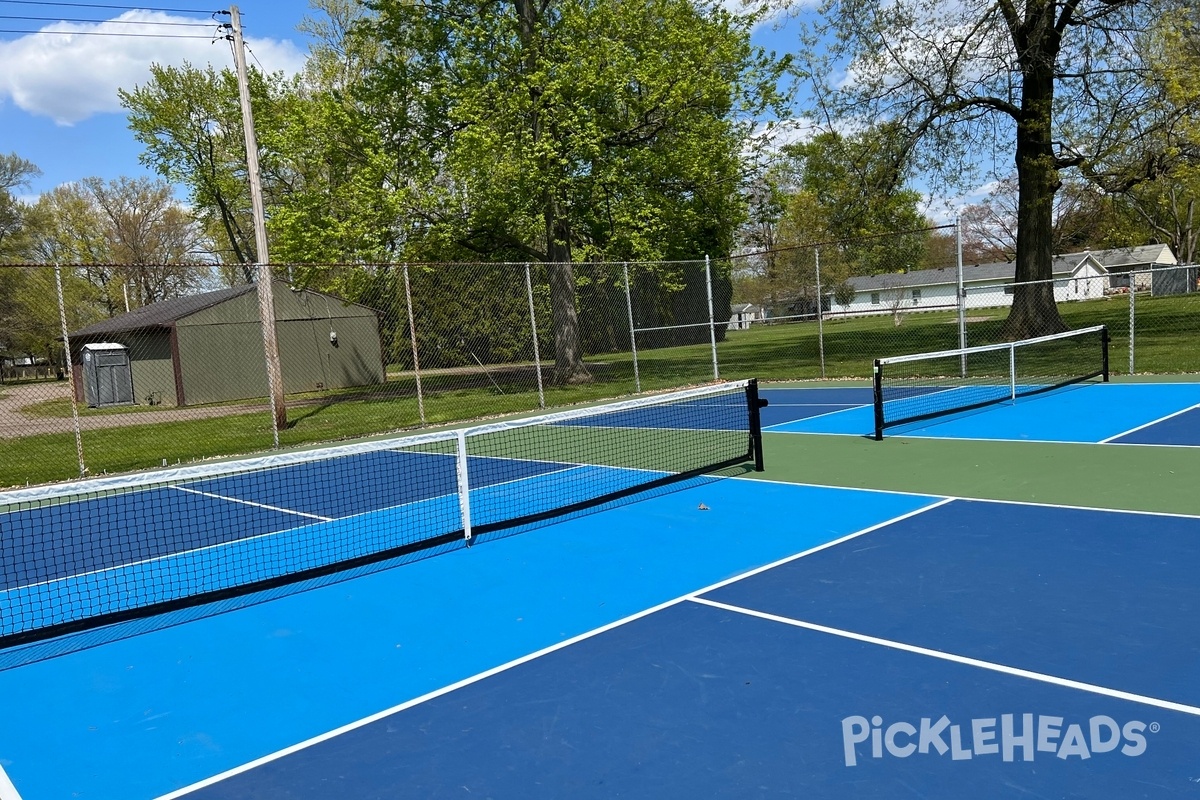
(986, 348)
(100, 485)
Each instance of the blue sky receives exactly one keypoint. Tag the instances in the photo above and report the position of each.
(58, 94)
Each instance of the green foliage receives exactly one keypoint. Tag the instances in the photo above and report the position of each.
(613, 124)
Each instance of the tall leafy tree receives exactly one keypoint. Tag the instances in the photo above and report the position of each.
(559, 130)
(128, 237)
(1053, 82)
(189, 121)
(15, 172)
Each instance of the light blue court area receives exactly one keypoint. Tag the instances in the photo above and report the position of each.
(1132, 413)
(145, 716)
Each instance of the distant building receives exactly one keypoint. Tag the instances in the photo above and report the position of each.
(743, 314)
(1077, 276)
(1123, 261)
(208, 348)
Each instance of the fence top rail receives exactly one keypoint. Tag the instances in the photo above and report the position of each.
(986, 348)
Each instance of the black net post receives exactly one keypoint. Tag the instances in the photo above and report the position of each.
(754, 405)
(877, 388)
(1104, 340)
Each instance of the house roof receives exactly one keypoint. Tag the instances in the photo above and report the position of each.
(999, 271)
(1122, 259)
(164, 313)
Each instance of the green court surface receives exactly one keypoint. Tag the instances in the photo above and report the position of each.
(1127, 477)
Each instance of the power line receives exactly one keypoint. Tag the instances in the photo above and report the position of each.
(109, 33)
(110, 21)
(111, 7)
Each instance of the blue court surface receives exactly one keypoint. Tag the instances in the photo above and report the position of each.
(728, 637)
(1121, 413)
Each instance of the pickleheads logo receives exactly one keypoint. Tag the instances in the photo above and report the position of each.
(1011, 736)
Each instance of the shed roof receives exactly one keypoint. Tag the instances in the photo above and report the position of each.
(164, 313)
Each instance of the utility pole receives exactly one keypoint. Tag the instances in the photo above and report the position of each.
(266, 300)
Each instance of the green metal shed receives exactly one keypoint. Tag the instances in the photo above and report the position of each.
(208, 348)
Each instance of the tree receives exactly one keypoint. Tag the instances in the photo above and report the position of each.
(14, 172)
(129, 236)
(189, 120)
(570, 130)
(858, 181)
(1057, 80)
(843, 295)
(1154, 172)
(1083, 219)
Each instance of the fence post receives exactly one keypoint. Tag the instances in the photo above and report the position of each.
(820, 311)
(412, 337)
(961, 300)
(537, 356)
(637, 378)
(712, 324)
(62, 318)
(1132, 316)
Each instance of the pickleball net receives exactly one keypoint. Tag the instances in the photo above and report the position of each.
(922, 386)
(99, 552)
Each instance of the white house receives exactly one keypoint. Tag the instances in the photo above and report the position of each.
(743, 314)
(1122, 261)
(1077, 276)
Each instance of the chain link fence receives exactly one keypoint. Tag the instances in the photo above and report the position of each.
(88, 388)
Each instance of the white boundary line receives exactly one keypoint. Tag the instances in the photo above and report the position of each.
(934, 496)
(7, 790)
(1066, 683)
(1151, 422)
(252, 503)
(270, 757)
(818, 416)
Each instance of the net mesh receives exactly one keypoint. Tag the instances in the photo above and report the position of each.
(927, 385)
(105, 551)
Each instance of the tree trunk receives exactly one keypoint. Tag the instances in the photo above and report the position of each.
(568, 354)
(1033, 311)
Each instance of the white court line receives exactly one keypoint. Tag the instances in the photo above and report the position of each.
(934, 495)
(252, 503)
(1151, 422)
(7, 790)
(267, 759)
(957, 659)
(819, 416)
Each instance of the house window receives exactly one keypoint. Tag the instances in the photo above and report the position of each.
(916, 297)
(874, 298)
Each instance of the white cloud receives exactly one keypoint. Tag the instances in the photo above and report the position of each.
(69, 78)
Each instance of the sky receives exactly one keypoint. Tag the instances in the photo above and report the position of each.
(59, 106)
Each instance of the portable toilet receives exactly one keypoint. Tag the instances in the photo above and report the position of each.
(107, 378)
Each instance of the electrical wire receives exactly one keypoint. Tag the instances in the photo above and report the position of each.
(108, 33)
(111, 7)
(110, 21)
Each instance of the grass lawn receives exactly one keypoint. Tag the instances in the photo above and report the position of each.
(1167, 342)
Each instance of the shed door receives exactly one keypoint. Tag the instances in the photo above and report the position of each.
(114, 382)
